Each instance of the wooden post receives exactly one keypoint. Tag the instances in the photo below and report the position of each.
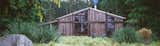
(50, 27)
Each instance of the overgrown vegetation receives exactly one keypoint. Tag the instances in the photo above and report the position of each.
(146, 35)
(25, 10)
(126, 34)
(30, 13)
(139, 13)
(88, 41)
(34, 31)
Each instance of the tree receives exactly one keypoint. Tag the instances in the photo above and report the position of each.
(139, 13)
(25, 10)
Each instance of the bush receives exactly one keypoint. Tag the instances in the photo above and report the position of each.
(32, 30)
(125, 35)
(145, 34)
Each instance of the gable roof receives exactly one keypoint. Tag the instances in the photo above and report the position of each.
(89, 8)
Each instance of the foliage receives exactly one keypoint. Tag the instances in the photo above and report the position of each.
(25, 10)
(126, 35)
(131, 8)
(57, 2)
(145, 34)
(73, 5)
(139, 13)
(51, 11)
(35, 32)
(51, 43)
(88, 41)
(48, 8)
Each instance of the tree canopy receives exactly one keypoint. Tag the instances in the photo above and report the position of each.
(140, 13)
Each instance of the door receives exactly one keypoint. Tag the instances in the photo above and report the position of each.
(110, 25)
(81, 24)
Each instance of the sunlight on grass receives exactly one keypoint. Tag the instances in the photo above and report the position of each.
(88, 41)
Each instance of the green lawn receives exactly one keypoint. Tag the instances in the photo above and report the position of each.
(88, 41)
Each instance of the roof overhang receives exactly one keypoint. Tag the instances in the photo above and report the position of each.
(89, 8)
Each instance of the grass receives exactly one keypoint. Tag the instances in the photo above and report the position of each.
(88, 41)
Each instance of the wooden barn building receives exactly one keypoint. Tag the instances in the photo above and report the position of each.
(88, 21)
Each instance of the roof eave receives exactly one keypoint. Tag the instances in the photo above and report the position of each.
(49, 22)
(73, 13)
(108, 13)
(89, 8)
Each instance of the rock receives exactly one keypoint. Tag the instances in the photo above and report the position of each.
(15, 40)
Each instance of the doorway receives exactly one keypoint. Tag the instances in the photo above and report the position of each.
(110, 25)
(81, 25)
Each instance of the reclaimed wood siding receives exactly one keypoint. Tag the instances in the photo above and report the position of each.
(118, 23)
(96, 22)
(66, 25)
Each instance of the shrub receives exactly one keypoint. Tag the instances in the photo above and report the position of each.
(48, 33)
(32, 30)
(125, 35)
(145, 34)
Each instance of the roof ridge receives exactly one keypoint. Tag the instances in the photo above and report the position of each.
(88, 8)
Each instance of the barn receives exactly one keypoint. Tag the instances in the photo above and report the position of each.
(88, 21)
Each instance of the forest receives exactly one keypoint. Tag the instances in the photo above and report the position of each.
(26, 16)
